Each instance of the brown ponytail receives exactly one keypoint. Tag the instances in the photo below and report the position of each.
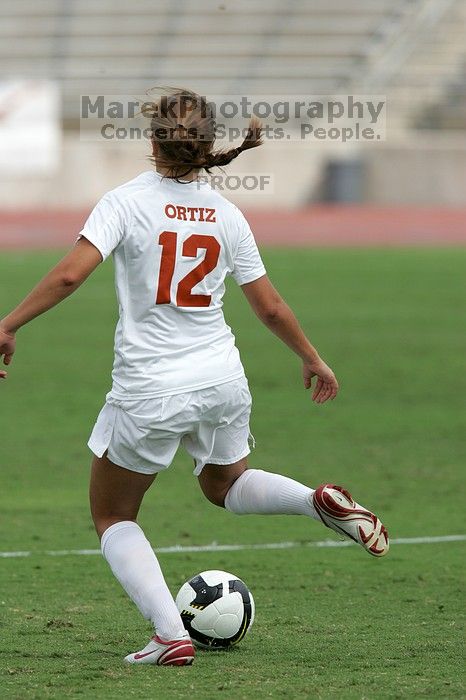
(183, 129)
(252, 140)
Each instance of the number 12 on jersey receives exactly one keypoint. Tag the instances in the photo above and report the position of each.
(184, 295)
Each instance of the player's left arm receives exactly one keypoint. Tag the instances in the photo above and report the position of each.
(59, 283)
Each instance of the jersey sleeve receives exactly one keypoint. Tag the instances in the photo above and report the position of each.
(248, 265)
(105, 227)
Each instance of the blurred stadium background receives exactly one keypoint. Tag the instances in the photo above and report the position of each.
(408, 188)
(331, 623)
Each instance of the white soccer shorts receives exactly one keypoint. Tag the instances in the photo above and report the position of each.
(143, 435)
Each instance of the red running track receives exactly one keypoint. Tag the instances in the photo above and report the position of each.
(320, 225)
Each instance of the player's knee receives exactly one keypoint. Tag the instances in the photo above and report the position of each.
(103, 522)
(216, 480)
(216, 492)
(216, 496)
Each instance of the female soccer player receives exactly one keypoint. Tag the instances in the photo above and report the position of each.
(177, 375)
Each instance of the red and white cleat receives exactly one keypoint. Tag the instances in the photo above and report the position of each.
(177, 652)
(339, 511)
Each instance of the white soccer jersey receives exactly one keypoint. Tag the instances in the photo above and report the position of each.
(173, 245)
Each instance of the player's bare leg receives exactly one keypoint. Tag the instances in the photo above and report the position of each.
(115, 493)
(242, 491)
(215, 481)
(115, 496)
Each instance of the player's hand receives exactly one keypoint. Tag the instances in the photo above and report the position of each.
(326, 386)
(7, 349)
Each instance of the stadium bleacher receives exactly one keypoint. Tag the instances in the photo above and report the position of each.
(252, 47)
(411, 52)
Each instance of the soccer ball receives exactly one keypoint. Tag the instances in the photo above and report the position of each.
(217, 609)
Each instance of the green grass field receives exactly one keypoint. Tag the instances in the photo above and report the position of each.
(331, 623)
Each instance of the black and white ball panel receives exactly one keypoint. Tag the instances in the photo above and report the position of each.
(217, 609)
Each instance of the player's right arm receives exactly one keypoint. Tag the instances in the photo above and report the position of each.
(59, 283)
(273, 311)
(101, 234)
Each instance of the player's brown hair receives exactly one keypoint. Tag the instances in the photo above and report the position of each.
(183, 127)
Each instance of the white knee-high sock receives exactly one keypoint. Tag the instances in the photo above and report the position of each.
(135, 565)
(256, 491)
